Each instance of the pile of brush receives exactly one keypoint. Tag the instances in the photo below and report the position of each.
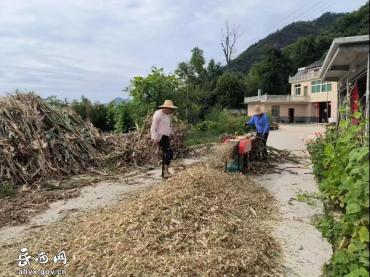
(136, 148)
(39, 140)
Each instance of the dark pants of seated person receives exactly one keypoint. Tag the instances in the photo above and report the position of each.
(263, 137)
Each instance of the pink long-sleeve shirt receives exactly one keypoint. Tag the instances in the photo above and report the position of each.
(161, 125)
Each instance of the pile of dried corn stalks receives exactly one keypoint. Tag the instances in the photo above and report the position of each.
(202, 222)
(39, 140)
(136, 148)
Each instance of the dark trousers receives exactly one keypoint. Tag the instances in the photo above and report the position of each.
(263, 137)
(165, 146)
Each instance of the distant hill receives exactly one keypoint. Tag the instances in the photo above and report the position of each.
(119, 100)
(282, 38)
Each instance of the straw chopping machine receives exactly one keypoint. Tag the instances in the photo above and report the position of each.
(243, 153)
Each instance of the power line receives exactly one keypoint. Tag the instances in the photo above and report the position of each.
(321, 9)
(311, 12)
(293, 14)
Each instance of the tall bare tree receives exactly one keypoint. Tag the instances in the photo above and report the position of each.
(229, 39)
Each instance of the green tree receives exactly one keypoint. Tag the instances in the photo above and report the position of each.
(306, 50)
(230, 90)
(197, 83)
(186, 73)
(275, 71)
(121, 115)
(83, 107)
(96, 113)
(253, 80)
(214, 70)
(98, 117)
(53, 100)
(154, 88)
(197, 62)
(193, 76)
(193, 72)
(150, 92)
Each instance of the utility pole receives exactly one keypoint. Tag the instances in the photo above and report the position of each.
(327, 104)
(339, 85)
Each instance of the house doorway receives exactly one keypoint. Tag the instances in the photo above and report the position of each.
(291, 115)
(324, 111)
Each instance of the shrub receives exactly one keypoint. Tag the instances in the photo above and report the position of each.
(217, 123)
(341, 165)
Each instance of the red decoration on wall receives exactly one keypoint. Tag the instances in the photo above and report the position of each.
(355, 102)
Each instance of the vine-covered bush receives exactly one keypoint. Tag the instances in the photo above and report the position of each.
(216, 124)
(341, 165)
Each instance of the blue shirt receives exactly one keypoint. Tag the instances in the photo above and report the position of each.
(261, 122)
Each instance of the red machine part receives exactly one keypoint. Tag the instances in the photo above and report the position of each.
(245, 145)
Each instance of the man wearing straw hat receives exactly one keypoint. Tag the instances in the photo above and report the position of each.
(161, 131)
(261, 122)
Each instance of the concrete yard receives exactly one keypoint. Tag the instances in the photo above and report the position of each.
(304, 249)
(292, 136)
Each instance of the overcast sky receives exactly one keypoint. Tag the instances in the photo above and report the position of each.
(71, 48)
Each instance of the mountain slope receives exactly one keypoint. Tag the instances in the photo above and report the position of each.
(271, 72)
(282, 38)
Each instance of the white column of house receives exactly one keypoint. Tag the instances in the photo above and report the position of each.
(367, 93)
(348, 99)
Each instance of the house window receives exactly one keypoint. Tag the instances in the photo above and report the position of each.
(315, 86)
(275, 111)
(297, 89)
(326, 87)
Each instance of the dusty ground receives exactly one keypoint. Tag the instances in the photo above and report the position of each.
(304, 249)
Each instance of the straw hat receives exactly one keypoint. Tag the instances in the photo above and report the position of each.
(258, 109)
(168, 104)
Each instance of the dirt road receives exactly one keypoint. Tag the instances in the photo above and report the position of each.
(304, 249)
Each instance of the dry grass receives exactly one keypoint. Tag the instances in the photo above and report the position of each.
(200, 223)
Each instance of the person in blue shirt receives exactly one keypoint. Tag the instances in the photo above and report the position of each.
(260, 121)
